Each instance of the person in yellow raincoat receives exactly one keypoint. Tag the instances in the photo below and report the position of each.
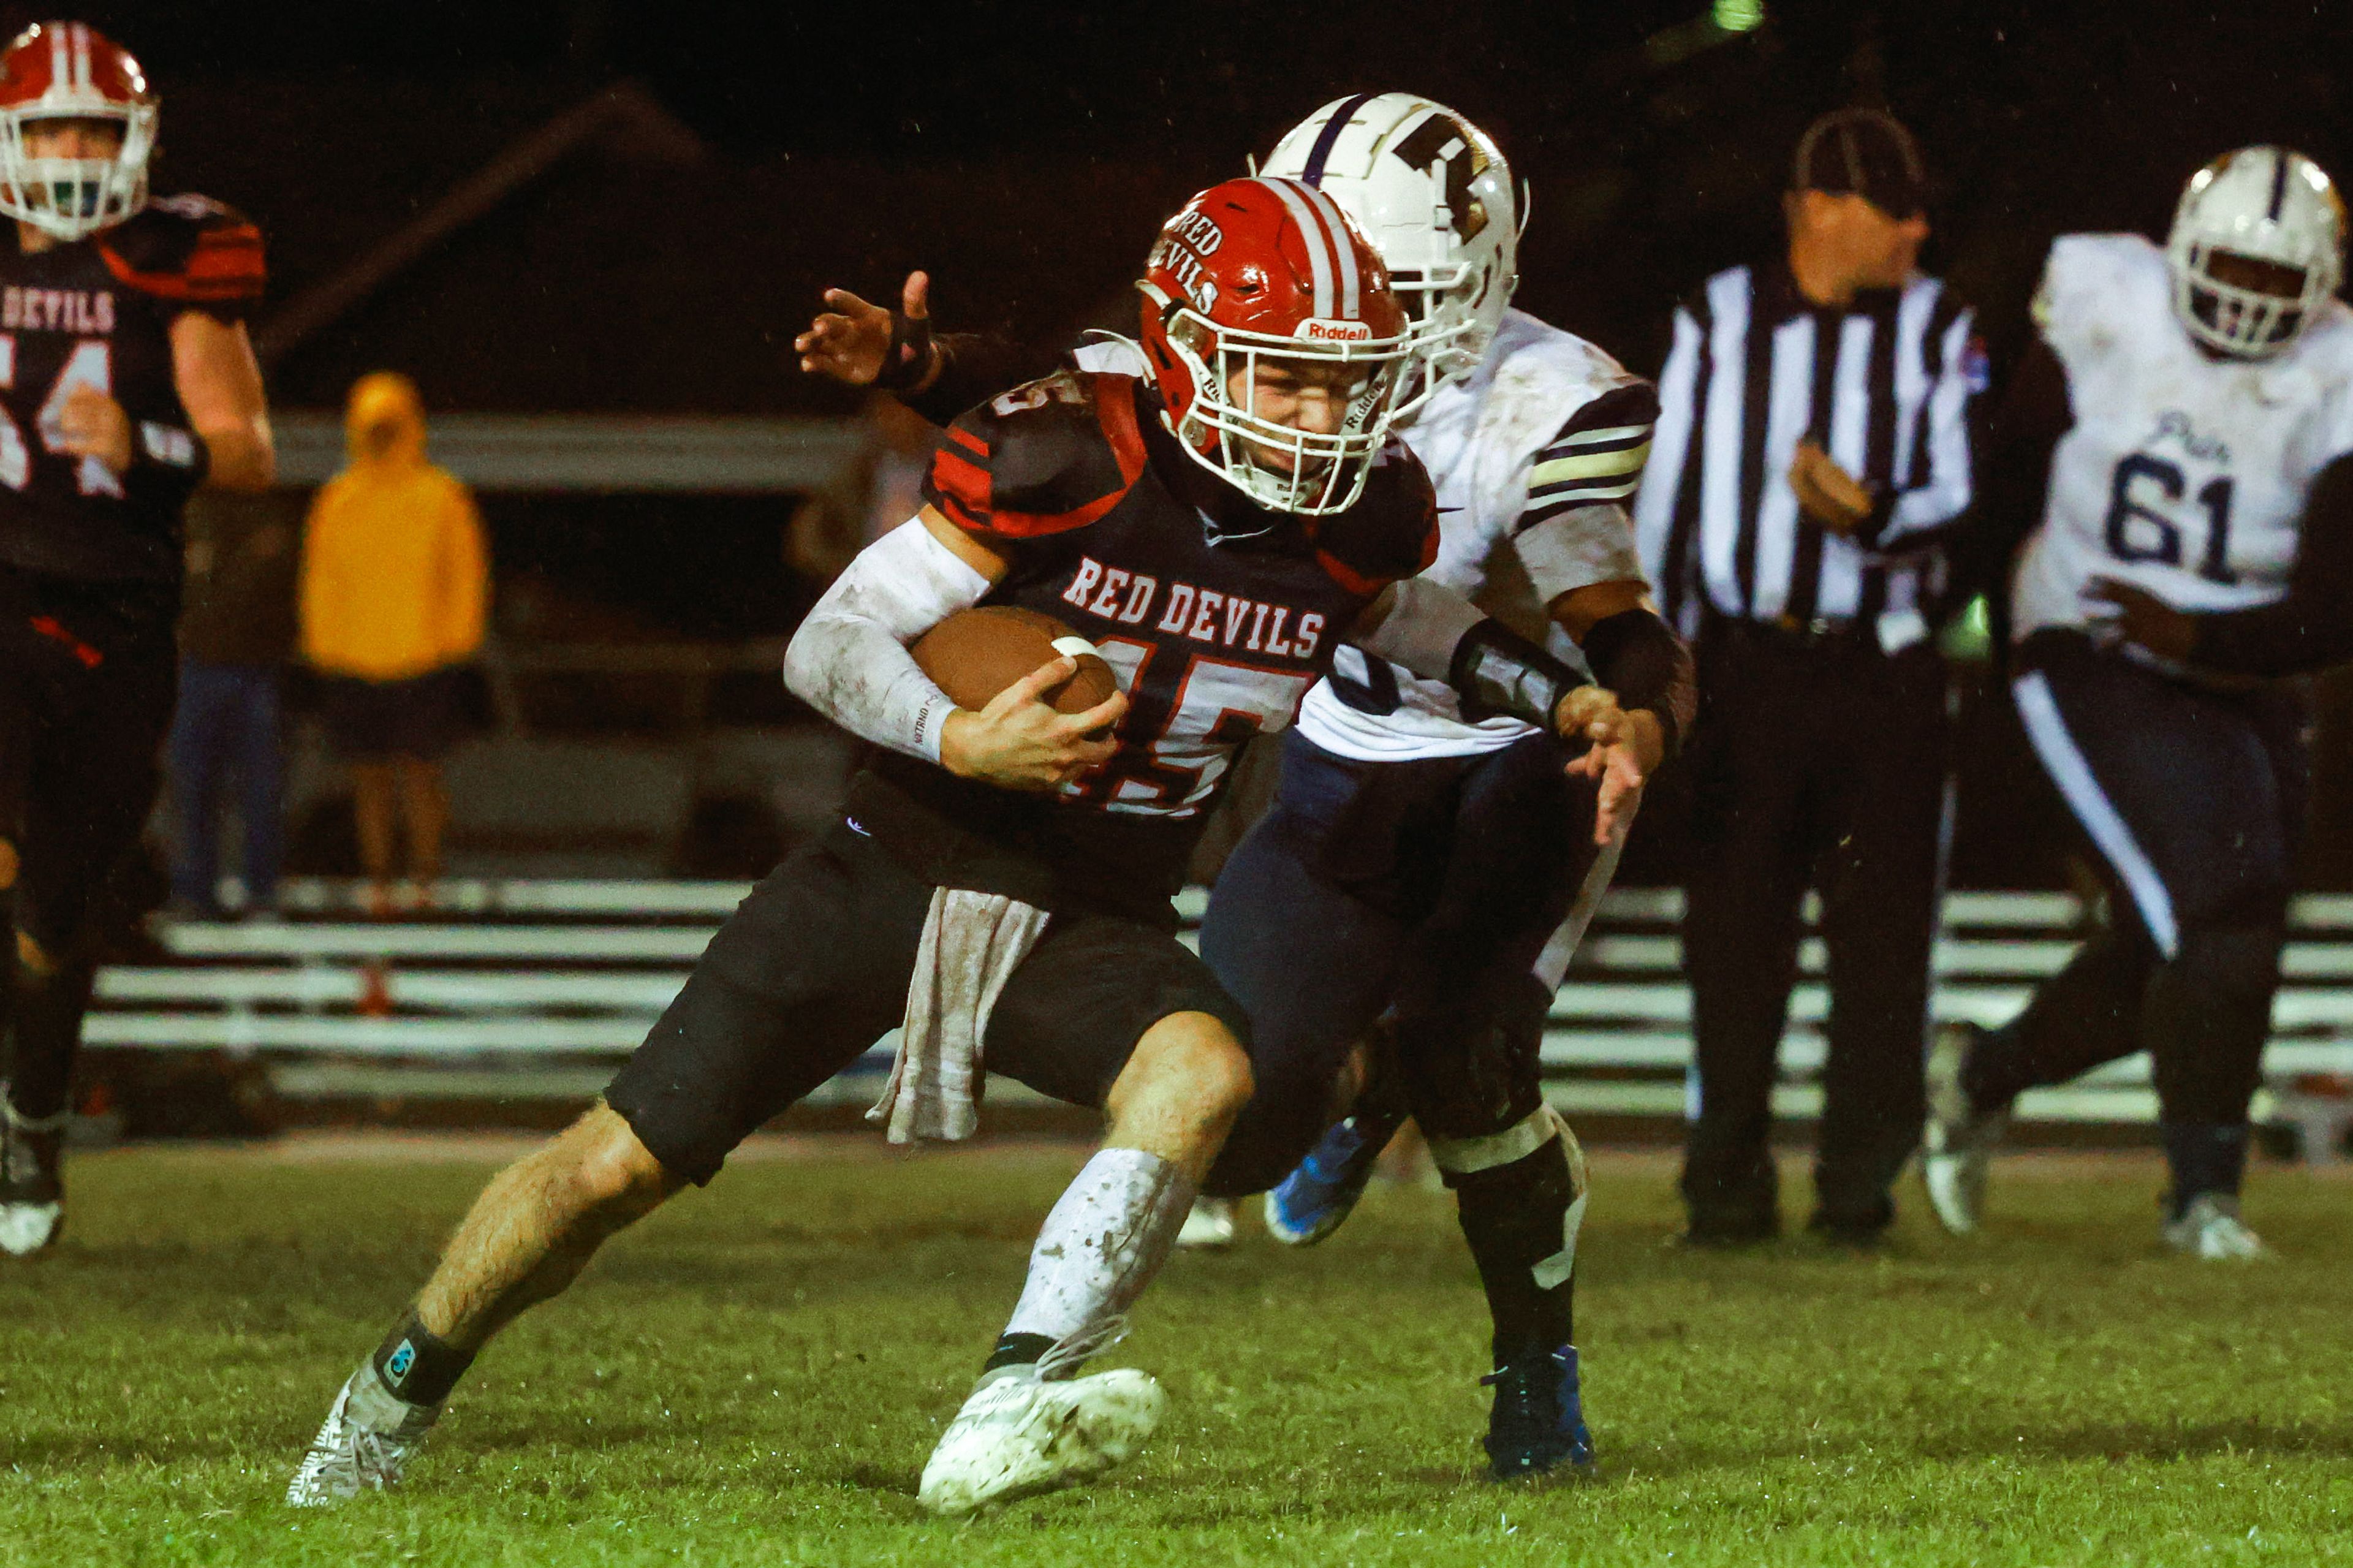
(395, 586)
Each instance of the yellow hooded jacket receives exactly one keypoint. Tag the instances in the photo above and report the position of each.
(395, 577)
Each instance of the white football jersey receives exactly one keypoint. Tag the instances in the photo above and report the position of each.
(2185, 474)
(1533, 460)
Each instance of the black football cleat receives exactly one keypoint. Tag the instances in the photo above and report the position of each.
(1537, 1430)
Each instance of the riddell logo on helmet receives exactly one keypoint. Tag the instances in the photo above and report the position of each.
(1324, 330)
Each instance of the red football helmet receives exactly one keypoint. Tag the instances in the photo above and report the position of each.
(1260, 292)
(65, 71)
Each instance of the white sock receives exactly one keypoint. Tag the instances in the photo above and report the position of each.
(1108, 1235)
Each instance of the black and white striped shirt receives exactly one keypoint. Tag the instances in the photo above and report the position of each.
(1883, 386)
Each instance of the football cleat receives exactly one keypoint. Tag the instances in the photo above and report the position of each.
(1309, 1204)
(2210, 1229)
(1538, 1426)
(32, 1188)
(1209, 1226)
(368, 1438)
(1957, 1143)
(1019, 1434)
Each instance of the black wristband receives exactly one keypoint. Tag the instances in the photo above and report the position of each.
(1497, 673)
(168, 464)
(901, 371)
(419, 1365)
(1636, 654)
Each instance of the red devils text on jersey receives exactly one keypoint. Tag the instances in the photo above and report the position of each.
(99, 312)
(1107, 526)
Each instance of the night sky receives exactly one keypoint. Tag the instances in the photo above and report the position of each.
(2039, 117)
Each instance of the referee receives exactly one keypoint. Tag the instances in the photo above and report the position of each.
(1810, 463)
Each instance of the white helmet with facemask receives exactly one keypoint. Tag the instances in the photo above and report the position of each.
(2265, 205)
(1432, 192)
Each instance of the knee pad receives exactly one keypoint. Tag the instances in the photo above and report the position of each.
(1499, 1169)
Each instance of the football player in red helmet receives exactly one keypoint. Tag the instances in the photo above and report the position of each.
(126, 380)
(1212, 531)
(1533, 439)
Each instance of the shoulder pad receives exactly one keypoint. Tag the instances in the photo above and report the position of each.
(188, 248)
(1111, 354)
(1391, 532)
(1054, 455)
(2093, 284)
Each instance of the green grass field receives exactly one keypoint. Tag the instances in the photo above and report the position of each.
(756, 1376)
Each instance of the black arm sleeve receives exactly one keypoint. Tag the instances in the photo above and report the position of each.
(2313, 627)
(1635, 655)
(1497, 673)
(2014, 475)
(975, 366)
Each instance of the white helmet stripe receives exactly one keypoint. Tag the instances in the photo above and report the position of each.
(81, 54)
(1343, 247)
(57, 70)
(1319, 245)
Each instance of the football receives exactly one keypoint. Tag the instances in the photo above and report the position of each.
(974, 653)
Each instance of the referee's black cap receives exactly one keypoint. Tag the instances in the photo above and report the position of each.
(1866, 152)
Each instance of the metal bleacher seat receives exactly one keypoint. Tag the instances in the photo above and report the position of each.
(534, 989)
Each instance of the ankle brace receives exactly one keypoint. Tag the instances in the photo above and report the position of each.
(417, 1366)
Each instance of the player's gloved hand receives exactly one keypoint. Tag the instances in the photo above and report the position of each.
(1020, 742)
(2142, 617)
(92, 425)
(1827, 493)
(1622, 768)
(855, 342)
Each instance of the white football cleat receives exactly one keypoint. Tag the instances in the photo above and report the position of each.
(1019, 1434)
(370, 1435)
(1957, 1143)
(1209, 1226)
(32, 1190)
(2210, 1229)
(27, 1228)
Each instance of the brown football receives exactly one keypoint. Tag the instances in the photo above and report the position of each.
(974, 653)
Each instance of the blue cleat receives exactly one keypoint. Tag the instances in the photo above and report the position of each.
(1309, 1204)
(1537, 1427)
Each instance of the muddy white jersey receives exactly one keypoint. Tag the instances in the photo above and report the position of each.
(1533, 456)
(2184, 474)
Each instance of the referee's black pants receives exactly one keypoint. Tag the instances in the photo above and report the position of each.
(1822, 763)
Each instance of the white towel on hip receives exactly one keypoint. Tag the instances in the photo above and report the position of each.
(972, 944)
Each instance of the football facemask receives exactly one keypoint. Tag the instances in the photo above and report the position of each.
(1433, 193)
(2257, 245)
(1275, 343)
(55, 75)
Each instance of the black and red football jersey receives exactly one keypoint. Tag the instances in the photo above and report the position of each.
(1108, 527)
(99, 311)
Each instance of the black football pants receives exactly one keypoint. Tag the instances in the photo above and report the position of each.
(1821, 764)
(2194, 802)
(88, 672)
(1426, 886)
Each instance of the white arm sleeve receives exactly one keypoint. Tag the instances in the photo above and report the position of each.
(849, 659)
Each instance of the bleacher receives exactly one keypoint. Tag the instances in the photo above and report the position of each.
(530, 990)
